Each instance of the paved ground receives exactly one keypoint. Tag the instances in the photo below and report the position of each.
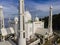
(59, 44)
(5, 43)
(49, 42)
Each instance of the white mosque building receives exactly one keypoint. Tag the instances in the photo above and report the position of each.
(29, 29)
(32, 26)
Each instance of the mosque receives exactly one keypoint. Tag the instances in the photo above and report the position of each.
(30, 32)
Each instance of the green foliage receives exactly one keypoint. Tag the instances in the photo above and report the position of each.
(46, 22)
(58, 41)
(56, 21)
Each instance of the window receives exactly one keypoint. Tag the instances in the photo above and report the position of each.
(23, 24)
(23, 34)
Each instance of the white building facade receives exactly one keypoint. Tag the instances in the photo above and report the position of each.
(32, 26)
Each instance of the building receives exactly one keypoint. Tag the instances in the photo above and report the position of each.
(5, 32)
(31, 26)
(30, 32)
(1, 17)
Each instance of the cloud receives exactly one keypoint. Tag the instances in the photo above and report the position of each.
(9, 8)
(36, 7)
(10, 11)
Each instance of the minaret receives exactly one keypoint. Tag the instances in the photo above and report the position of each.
(22, 40)
(2, 22)
(16, 27)
(9, 21)
(1, 17)
(50, 21)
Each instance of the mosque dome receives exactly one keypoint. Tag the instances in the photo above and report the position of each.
(36, 19)
(16, 19)
(1, 6)
(27, 16)
(51, 7)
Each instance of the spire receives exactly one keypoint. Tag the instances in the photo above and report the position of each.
(16, 27)
(50, 20)
(36, 18)
(1, 17)
(9, 21)
(22, 39)
(51, 7)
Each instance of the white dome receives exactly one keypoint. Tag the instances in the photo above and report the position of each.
(27, 16)
(1, 6)
(36, 19)
(16, 19)
(51, 7)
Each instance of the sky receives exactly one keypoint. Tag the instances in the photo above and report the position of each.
(38, 8)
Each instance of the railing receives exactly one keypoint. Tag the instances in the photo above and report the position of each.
(35, 42)
(11, 42)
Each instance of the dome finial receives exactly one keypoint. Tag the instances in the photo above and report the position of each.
(36, 18)
(51, 7)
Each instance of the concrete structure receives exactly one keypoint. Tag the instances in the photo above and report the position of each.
(22, 39)
(32, 26)
(1, 17)
(9, 21)
(35, 42)
(5, 32)
(29, 30)
(37, 26)
(27, 16)
(36, 19)
(50, 21)
(16, 27)
(7, 43)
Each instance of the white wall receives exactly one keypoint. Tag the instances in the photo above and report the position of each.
(31, 27)
(37, 25)
(28, 28)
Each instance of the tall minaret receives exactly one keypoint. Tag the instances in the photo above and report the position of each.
(50, 21)
(22, 40)
(1, 17)
(9, 21)
(16, 27)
